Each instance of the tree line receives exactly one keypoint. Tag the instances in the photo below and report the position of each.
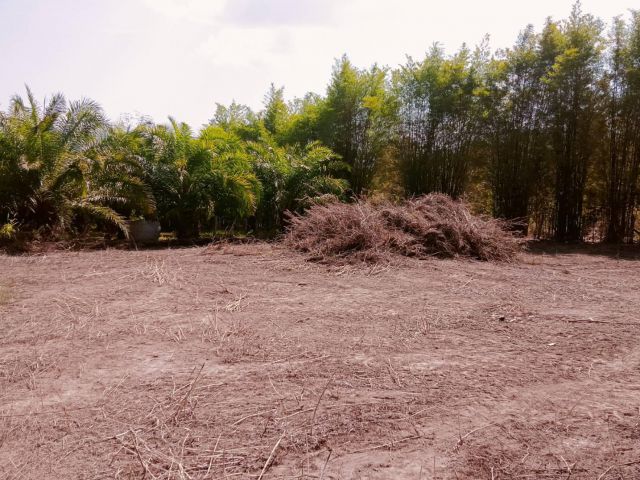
(545, 134)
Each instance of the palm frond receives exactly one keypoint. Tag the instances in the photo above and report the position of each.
(103, 213)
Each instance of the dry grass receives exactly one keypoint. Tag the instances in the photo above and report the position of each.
(427, 226)
(5, 294)
(474, 370)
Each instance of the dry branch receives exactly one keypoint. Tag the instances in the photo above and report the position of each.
(267, 464)
(427, 226)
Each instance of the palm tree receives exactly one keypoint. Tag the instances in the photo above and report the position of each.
(57, 166)
(316, 171)
(194, 179)
(292, 178)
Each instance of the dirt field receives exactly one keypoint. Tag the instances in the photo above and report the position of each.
(245, 361)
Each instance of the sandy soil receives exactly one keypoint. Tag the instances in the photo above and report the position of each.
(245, 361)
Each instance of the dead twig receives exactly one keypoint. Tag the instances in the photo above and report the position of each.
(384, 445)
(273, 451)
(315, 410)
(605, 472)
(324, 467)
(238, 422)
(182, 402)
(462, 438)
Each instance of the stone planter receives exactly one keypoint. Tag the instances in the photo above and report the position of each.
(144, 231)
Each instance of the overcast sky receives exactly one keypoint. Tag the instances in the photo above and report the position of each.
(180, 57)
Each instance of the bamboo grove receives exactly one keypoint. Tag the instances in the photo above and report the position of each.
(545, 134)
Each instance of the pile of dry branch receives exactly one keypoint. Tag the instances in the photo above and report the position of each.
(431, 225)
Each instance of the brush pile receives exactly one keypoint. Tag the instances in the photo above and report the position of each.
(429, 226)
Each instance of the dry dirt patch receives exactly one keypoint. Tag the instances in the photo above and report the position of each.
(247, 362)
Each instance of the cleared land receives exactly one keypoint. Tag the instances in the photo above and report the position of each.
(245, 361)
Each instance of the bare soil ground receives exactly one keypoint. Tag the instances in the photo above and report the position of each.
(245, 361)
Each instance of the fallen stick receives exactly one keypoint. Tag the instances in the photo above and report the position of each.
(384, 445)
(635, 324)
(461, 440)
(268, 462)
(325, 464)
(250, 416)
(605, 472)
(315, 410)
(182, 403)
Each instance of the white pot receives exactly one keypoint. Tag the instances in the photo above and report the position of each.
(144, 231)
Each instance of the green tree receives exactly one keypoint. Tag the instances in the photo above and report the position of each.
(438, 111)
(240, 120)
(571, 112)
(294, 177)
(236, 188)
(303, 126)
(276, 112)
(61, 164)
(514, 127)
(622, 86)
(315, 172)
(354, 120)
(193, 179)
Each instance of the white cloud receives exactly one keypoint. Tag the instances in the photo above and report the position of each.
(270, 48)
(197, 11)
(281, 12)
(249, 12)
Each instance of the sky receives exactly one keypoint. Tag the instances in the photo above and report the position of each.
(180, 57)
